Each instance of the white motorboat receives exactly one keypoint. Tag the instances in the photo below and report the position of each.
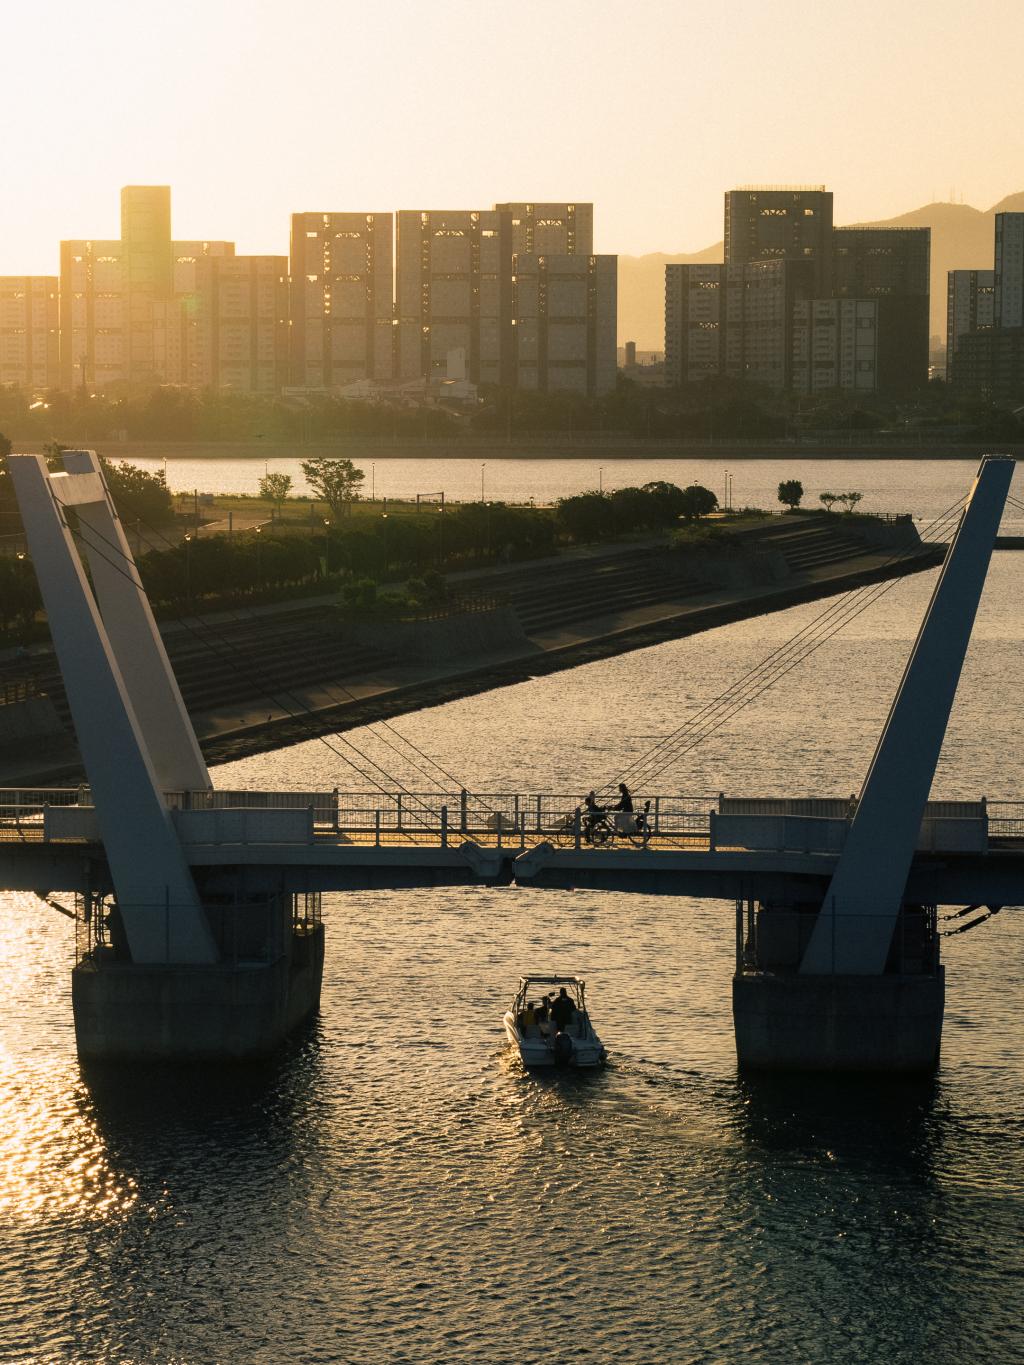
(549, 1025)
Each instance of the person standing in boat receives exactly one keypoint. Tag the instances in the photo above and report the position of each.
(562, 1010)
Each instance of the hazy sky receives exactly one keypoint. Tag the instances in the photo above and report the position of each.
(651, 109)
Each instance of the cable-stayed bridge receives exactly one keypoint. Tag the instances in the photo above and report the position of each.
(198, 910)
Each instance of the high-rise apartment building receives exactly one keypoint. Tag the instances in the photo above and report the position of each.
(694, 323)
(341, 298)
(835, 345)
(29, 352)
(760, 298)
(970, 307)
(891, 266)
(93, 314)
(550, 229)
(1009, 271)
(563, 326)
(147, 268)
(454, 293)
(238, 324)
(781, 223)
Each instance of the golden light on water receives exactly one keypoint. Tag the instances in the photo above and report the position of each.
(54, 1161)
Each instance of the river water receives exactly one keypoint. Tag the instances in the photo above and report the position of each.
(394, 1188)
(923, 487)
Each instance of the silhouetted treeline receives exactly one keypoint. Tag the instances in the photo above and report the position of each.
(715, 409)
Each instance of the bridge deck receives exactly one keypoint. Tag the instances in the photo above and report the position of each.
(700, 846)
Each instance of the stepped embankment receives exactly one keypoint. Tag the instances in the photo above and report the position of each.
(271, 677)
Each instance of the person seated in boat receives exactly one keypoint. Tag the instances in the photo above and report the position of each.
(528, 1017)
(562, 1010)
(625, 801)
(542, 1014)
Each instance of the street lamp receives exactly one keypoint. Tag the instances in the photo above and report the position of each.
(259, 558)
(384, 519)
(188, 568)
(327, 547)
(483, 466)
(600, 479)
(373, 482)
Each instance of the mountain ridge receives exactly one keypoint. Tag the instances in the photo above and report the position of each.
(963, 238)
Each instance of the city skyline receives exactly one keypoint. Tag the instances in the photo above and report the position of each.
(309, 118)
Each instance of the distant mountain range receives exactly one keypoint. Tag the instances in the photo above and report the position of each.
(962, 239)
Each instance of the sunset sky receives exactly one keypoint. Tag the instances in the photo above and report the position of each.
(650, 109)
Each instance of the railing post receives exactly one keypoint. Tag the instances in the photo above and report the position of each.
(539, 815)
(739, 936)
(311, 837)
(376, 828)
(463, 810)
(444, 826)
(399, 824)
(334, 793)
(657, 814)
(577, 827)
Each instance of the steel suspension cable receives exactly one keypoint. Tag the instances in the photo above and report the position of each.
(774, 666)
(371, 727)
(86, 533)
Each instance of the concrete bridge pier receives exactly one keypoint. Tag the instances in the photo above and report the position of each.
(786, 1020)
(265, 983)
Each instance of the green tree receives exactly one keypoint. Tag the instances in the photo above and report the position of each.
(850, 500)
(138, 495)
(335, 482)
(829, 500)
(790, 493)
(587, 516)
(697, 501)
(275, 488)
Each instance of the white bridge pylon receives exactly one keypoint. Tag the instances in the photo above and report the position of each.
(134, 733)
(854, 928)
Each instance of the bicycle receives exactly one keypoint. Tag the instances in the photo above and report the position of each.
(609, 828)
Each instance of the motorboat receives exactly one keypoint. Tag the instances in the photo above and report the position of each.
(549, 1024)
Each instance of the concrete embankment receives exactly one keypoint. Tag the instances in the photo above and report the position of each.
(278, 677)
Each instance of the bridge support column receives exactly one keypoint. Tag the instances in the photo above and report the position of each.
(838, 1023)
(787, 1020)
(265, 985)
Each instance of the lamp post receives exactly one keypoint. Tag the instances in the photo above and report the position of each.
(483, 466)
(188, 568)
(600, 479)
(259, 560)
(327, 547)
(373, 482)
(384, 521)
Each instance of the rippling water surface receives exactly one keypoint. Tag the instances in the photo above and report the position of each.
(395, 1188)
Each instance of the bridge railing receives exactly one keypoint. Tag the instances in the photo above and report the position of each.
(1005, 819)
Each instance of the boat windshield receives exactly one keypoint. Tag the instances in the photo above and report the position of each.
(535, 988)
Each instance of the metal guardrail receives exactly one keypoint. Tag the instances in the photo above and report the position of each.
(452, 816)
